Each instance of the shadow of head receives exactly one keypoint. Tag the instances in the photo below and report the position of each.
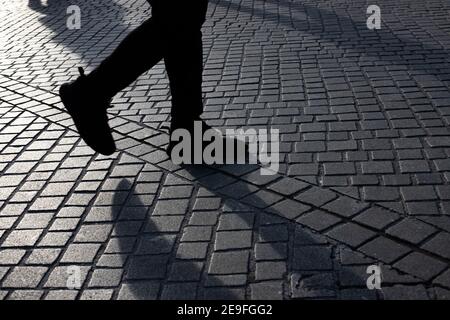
(154, 269)
(74, 22)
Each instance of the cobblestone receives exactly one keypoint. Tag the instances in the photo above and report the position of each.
(363, 177)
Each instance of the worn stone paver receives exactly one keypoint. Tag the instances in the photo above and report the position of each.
(364, 177)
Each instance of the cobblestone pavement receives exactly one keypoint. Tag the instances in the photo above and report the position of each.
(363, 115)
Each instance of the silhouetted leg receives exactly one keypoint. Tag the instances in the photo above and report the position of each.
(184, 65)
(138, 52)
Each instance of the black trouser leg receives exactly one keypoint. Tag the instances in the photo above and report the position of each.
(184, 65)
(138, 52)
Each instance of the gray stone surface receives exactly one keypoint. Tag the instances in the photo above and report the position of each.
(363, 177)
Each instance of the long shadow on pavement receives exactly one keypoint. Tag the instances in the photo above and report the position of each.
(152, 254)
(102, 23)
(354, 36)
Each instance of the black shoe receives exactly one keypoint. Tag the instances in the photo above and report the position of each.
(89, 114)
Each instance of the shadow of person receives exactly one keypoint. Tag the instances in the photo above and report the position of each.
(36, 5)
(154, 269)
(350, 36)
(102, 22)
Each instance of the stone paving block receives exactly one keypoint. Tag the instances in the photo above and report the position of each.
(192, 234)
(46, 204)
(24, 277)
(384, 249)
(64, 224)
(158, 244)
(116, 260)
(303, 169)
(170, 207)
(23, 295)
(93, 233)
(312, 258)
(238, 190)
(414, 264)
(270, 270)
(183, 271)
(57, 189)
(289, 209)
(353, 276)
(439, 245)
(11, 256)
(414, 166)
(345, 206)
(267, 290)
(179, 291)
(111, 198)
(227, 280)
(144, 290)
(13, 209)
(59, 295)
(270, 251)
(106, 278)
(22, 238)
(80, 253)
(236, 221)
(192, 250)
(43, 256)
(339, 168)
(358, 294)
(418, 193)
(413, 231)
(377, 217)
(120, 245)
(443, 279)
(380, 193)
(224, 294)
(127, 228)
(7, 222)
(316, 196)
(231, 262)
(273, 233)
(318, 220)
(288, 186)
(322, 285)
(174, 192)
(422, 208)
(377, 167)
(204, 218)
(147, 267)
(3, 272)
(55, 239)
(96, 294)
(261, 199)
(207, 204)
(164, 224)
(71, 212)
(400, 292)
(228, 240)
(351, 234)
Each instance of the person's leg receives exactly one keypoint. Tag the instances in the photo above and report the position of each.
(184, 66)
(184, 61)
(137, 53)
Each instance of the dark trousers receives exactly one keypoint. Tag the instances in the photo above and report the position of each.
(173, 33)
